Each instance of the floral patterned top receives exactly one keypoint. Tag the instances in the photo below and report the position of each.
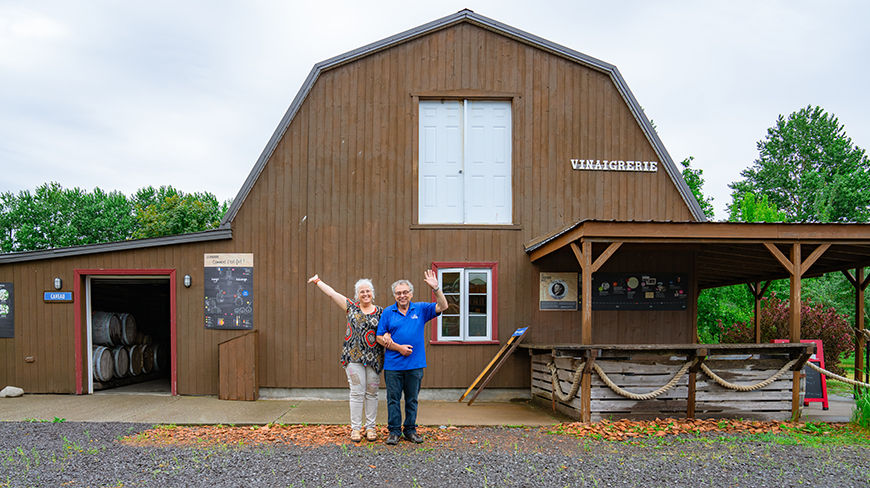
(360, 344)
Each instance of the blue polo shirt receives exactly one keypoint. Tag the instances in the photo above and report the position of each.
(406, 329)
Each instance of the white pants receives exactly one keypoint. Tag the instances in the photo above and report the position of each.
(364, 384)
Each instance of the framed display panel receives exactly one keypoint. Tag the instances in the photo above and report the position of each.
(229, 291)
(558, 291)
(639, 291)
(7, 311)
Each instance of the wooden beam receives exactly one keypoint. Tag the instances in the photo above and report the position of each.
(605, 256)
(780, 257)
(816, 254)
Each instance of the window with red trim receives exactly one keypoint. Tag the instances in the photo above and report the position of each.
(471, 292)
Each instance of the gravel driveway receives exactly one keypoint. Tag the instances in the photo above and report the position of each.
(91, 454)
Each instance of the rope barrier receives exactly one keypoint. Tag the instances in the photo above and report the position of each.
(756, 386)
(578, 375)
(645, 396)
(575, 385)
(832, 376)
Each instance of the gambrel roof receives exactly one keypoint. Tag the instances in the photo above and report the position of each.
(467, 16)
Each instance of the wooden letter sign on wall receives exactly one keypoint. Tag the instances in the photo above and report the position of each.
(229, 291)
(7, 311)
(558, 291)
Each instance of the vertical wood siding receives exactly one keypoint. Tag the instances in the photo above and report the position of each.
(339, 198)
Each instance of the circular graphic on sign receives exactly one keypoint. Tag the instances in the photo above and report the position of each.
(632, 282)
(4, 295)
(557, 289)
(605, 285)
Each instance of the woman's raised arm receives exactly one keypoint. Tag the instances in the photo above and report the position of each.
(337, 297)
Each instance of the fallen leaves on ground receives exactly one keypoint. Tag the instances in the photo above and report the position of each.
(620, 430)
(320, 435)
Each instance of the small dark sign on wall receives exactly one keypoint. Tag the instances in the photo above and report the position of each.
(7, 311)
(639, 291)
(229, 291)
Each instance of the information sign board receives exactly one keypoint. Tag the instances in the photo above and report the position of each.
(229, 291)
(7, 311)
(639, 291)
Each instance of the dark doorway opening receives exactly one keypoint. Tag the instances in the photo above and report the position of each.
(131, 333)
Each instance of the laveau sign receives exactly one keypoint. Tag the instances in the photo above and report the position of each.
(618, 165)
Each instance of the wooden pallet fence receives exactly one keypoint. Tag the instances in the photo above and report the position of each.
(640, 376)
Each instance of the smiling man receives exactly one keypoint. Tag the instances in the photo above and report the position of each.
(401, 332)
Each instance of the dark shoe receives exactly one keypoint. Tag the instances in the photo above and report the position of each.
(414, 437)
(392, 440)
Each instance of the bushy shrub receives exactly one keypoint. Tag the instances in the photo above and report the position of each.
(817, 322)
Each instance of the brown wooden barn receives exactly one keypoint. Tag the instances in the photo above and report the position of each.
(508, 163)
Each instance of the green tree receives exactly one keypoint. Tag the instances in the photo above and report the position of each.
(752, 209)
(695, 179)
(167, 211)
(810, 170)
(54, 217)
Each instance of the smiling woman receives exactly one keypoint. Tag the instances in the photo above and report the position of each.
(362, 356)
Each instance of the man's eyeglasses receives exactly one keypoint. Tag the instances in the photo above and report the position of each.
(402, 293)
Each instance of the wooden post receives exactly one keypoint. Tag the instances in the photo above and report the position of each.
(794, 332)
(859, 323)
(700, 355)
(758, 292)
(586, 386)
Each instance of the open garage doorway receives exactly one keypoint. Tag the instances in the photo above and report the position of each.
(128, 328)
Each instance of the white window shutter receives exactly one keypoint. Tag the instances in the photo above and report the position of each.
(441, 188)
(488, 163)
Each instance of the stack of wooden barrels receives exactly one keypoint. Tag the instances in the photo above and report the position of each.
(121, 351)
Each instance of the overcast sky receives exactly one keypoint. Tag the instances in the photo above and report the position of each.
(121, 95)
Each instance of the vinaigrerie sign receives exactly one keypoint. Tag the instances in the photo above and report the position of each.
(605, 165)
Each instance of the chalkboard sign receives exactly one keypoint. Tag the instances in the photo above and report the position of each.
(229, 291)
(639, 291)
(7, 311)
(814, 384)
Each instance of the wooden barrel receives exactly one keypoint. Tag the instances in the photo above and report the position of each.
(122, 361)
(147, 358)
(128, 329)
(105, 329)
(103, 363)
(161, 356)
(135, 359)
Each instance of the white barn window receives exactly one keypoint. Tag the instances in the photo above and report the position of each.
(471, 296)
(465, 162)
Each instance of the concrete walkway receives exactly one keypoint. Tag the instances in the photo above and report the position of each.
(163, 408)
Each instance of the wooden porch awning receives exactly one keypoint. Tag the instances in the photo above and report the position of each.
(726, 253)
